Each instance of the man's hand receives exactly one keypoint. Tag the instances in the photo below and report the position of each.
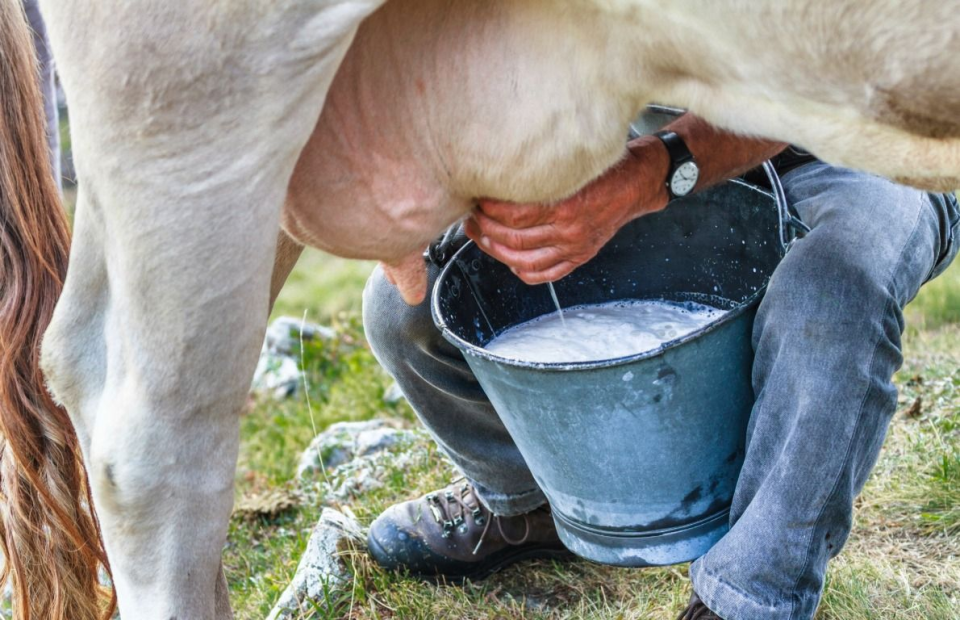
(543, 243)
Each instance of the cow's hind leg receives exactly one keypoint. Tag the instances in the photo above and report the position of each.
(184, 145)
(152, 348)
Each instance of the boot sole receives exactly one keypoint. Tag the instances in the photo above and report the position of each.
(489, 566)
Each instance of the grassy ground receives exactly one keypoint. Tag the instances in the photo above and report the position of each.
(324, 286)
(902, 561)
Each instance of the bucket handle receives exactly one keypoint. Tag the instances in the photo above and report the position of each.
(791, 227)
(444, 247)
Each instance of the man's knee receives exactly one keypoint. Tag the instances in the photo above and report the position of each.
(865, 229)
(822, 277)
(829, 307)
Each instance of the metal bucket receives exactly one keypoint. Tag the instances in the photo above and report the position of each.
(639, 455)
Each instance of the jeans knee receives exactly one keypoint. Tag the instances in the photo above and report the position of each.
(821, 279)
(827, 309)
(391, 326)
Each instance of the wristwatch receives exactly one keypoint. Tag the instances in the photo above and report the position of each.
(684, 170)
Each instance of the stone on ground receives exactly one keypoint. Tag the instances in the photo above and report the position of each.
(358, 457)
(345, 441)
(393, 394)
(278, 369)
(320, 574)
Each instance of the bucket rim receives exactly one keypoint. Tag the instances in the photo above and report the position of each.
(480, 352)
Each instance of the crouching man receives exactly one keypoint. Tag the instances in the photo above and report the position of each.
(829, 326)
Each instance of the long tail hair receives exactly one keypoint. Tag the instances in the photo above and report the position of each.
(49, 535)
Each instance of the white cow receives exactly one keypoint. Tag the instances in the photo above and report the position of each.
(200, 154)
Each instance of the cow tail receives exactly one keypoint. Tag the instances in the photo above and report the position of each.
(52, 550)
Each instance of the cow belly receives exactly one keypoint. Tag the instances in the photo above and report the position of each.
(439, 103)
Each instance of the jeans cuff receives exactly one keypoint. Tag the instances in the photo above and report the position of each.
(509, 504)
(729, 602)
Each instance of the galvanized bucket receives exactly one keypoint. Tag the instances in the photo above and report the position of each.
(639, 455)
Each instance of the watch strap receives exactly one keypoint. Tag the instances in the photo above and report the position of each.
(679, 154)
(676, 148)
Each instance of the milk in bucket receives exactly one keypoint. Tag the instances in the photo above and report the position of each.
(592, 332)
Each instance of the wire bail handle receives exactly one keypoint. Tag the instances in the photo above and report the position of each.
(791, 227)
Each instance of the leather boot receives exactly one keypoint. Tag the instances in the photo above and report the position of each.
(450, 534)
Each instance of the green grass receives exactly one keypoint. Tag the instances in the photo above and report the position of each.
(902, 561)
(345, 383)
(938, 303)
(66, 145)
(940, 508)
(324, 286)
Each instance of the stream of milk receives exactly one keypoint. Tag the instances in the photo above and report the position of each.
(602, 331)
(556, 302)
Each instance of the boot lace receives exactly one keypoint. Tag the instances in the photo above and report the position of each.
(451, 506)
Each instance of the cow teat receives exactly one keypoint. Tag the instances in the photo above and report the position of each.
(409, 275)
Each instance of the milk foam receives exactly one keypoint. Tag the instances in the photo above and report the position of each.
(602, 331)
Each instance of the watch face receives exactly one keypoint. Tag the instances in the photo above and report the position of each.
(684, 178)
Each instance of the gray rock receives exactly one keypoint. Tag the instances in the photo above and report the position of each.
(345, 441)
(278, 369)
(320, 573)
(393, 394)
(278, 376)
(366, 473)
(362, 475)
(333, 447)
(378, 440)
(365, 454)
(283, 335)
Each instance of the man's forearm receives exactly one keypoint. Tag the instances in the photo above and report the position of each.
(719, 154)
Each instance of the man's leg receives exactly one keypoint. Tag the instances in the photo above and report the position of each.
(827, 338)
(469, 529)
(447, 398)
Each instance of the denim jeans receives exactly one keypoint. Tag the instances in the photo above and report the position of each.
(827, 341)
